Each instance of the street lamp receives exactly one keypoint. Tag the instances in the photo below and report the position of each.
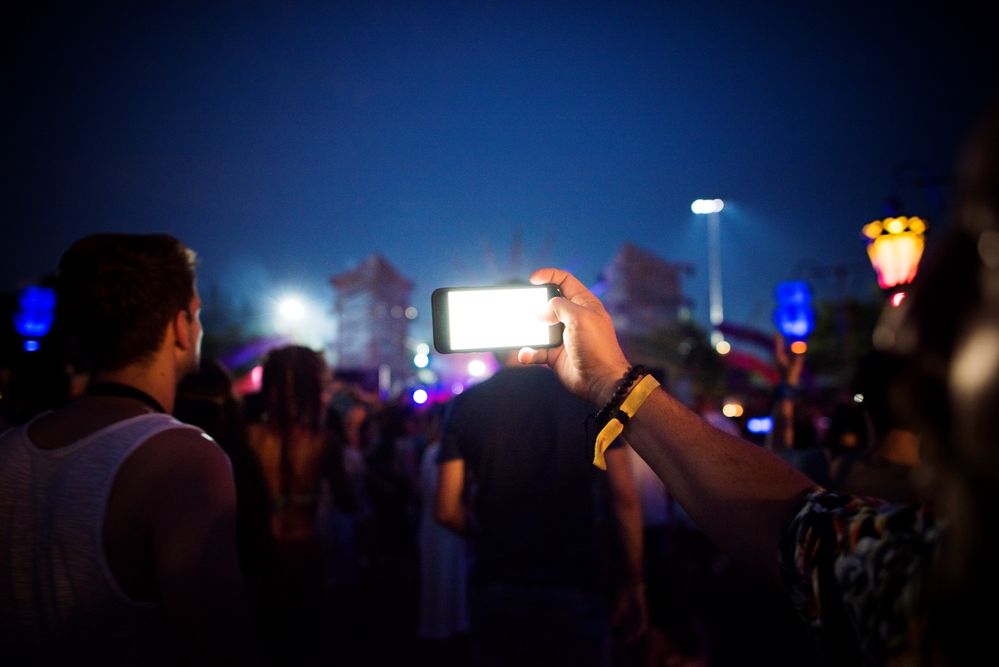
(711, 208)
(895, 246)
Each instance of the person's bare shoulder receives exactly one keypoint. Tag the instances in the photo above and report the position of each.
(179, 469)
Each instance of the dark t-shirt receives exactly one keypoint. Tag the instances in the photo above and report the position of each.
(524, 441)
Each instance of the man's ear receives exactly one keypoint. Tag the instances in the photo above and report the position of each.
(183, 330)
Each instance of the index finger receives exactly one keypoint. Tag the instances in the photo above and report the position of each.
(567, 283)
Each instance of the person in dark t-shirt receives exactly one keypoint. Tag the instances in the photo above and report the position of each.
(518, 442)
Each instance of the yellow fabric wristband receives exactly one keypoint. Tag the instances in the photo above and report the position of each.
(636, 397)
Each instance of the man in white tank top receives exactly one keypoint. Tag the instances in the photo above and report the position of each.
(117, 522)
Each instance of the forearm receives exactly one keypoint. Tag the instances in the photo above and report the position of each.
(738, 494)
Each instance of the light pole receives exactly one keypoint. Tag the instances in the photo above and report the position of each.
(711, 208)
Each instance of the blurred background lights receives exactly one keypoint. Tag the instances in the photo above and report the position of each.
(732, 409)
(799, 347)
(895, 246)
(723, 347)
(476, 368)
(760, 424)
(422, 348)
(858, 398)
(36, 311)
(411, 313)
(291, 308)
(703, 206)
(421, 360)
(31, 345)
(457, 388)
(420, 396)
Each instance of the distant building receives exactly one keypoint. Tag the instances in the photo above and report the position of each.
(373, 311)
(643, 292)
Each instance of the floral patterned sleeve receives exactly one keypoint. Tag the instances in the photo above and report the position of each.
(853, 567)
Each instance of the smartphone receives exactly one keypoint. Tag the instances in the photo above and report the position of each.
(498, 317)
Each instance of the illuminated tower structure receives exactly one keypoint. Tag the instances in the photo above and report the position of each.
(373, 311)
(643, 292)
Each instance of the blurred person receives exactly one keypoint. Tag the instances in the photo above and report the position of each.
(291, 444)
(443, 617)
(890, 467)
(119, 542)
(206, 399)
(517, 446)
(793, 435)
(880, 583)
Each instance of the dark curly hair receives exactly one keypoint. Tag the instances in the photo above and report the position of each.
(116, 293)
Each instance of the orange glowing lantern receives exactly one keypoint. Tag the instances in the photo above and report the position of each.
(895, 246)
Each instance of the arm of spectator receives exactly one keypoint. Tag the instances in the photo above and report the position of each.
(192, 498)
(739, 494)
(631, 611)
(448, 507)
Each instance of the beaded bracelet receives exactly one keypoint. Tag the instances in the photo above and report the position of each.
(614, 404)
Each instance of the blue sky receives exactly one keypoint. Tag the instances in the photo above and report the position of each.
(287, 141)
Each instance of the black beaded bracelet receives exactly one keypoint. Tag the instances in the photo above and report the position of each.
(613, 406)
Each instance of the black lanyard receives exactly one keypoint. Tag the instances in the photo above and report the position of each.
(125, 391)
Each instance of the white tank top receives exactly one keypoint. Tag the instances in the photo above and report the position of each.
(58, 598)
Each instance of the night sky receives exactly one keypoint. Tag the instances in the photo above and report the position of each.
(469, 142)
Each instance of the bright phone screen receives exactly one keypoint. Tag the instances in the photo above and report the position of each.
(497, 318)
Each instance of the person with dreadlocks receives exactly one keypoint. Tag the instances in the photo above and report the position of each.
(292, 446)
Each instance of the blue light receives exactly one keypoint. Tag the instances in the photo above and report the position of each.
(31, 345)
(794, 316)
(760, 424)
(36, 311)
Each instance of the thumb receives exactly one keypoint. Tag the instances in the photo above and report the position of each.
(528, 355)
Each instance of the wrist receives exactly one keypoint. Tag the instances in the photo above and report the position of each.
(604, 386)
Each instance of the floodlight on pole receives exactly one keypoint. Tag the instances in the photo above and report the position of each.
(711, 208)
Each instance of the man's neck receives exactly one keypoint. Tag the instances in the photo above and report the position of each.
(157, 382)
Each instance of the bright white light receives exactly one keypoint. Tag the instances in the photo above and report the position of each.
(291, 308)
(702, 206)
(476, 368)
(723, 347)
(497, 318)
(422, 348)
(411, 313)
(420, 396)
(858, 398)
(421, 360)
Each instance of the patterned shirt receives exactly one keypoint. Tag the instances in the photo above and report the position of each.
(854, 568)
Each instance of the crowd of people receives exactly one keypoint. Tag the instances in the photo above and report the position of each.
(152, 516)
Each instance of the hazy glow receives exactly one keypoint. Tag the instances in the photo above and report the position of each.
(31, 345)
(976, 363)
(291, 308)
(723, 347)
(457, 388)
(422, 348)
(421, 360)
(702, 206)
(411, 313)
(897, 298)
(420, 396)
(497, 318)
(476, 368)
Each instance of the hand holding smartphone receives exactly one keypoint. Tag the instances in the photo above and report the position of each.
(499, 317)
